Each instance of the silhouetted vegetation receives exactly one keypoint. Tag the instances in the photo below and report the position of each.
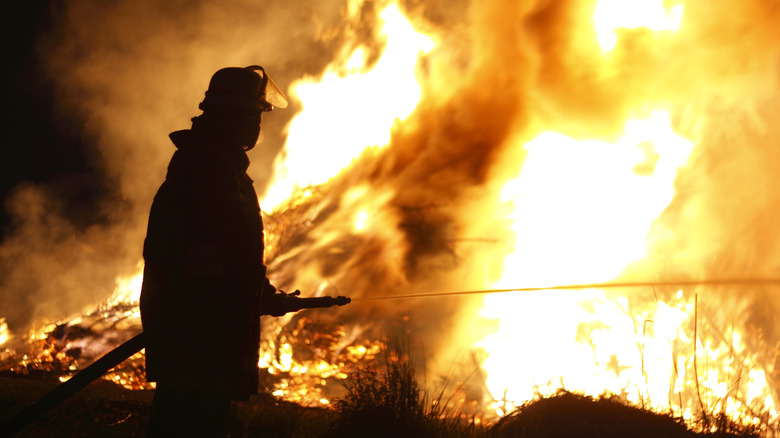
(387, 401)
(571, 415)
(381, 400)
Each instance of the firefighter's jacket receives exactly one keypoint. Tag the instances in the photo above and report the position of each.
(204, 272)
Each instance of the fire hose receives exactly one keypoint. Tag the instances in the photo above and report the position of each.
(580, 286)
(287, 303)
(292, 303)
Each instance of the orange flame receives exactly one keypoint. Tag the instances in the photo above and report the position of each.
(581, 213)
(352, 106)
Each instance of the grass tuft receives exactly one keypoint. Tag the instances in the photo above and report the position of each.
(385, 400)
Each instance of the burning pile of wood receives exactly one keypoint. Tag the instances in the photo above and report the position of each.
(306, 361)
(62, 349)
(300, 362)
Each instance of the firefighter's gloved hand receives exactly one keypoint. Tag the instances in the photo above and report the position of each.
(291, 294)
(280, 303)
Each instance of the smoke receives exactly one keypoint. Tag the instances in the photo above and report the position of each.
(435, 228)
(726, 205)
(723, 74)
(503, 72)
(506, 71)
(130, 73)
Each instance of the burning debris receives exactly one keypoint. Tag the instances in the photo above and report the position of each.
(539, 143)
(301, 361)
(63, 348)
(306, 361)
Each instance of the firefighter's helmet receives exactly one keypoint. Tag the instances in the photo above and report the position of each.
(248, 87)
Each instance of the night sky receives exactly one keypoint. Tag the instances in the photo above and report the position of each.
(41, 144)
(92, 91)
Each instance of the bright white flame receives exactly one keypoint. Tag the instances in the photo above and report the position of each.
(5, 335)
(583, 209)
(128, 289)
(361, 220)
(611, 15)
(344, 114)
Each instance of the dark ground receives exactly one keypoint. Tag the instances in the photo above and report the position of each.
(104, 409)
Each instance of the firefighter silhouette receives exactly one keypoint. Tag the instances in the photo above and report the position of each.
(204, 277)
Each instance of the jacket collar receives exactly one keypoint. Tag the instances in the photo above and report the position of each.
(187, 141)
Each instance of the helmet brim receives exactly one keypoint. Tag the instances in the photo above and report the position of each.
(273, 95)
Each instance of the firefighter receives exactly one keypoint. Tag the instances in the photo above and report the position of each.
(204, 277)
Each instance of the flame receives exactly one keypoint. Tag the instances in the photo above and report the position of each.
(66, 346)
(128, 288)
(5, 335)
(581, 213)
(303, 360)
(352, 106)
(611, 15)
(583, 209)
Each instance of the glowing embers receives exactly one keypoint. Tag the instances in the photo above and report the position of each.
(65, 347)
(611, 15)
(305, 357)
(351, 107)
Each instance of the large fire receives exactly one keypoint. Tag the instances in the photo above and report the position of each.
(568, 201)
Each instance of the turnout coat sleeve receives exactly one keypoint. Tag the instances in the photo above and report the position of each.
(204, 272)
